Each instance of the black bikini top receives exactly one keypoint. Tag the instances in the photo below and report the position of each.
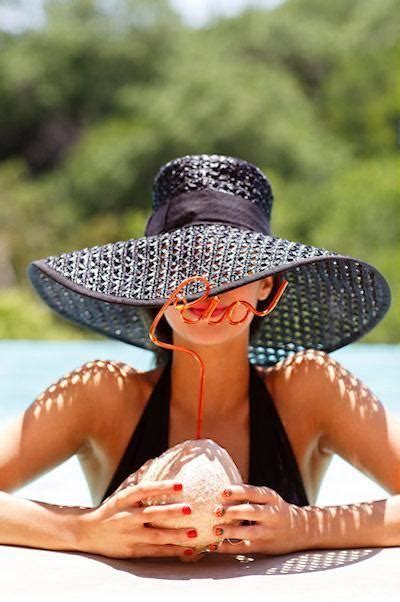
(271, 461)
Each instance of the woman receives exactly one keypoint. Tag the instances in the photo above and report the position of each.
(280, 416)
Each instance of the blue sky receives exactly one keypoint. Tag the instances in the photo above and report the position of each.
(195, 13)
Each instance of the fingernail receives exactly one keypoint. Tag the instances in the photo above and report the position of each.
(192, 533)
(227, 492)
(178, 487)
(212, 547)
(220, 511)
(186, 510)
(188, 552)
(218, 531)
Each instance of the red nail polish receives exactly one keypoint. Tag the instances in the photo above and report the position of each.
(186, 510)
(192, 533)
(188, 552)
(227, 492)
(178, 487)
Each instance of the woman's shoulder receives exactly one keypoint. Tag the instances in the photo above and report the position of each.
(109, 366)
(294, 381)
(300, 366)
(105, 371)
(105, 382)
(115, 389)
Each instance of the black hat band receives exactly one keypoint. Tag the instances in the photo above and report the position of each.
(207, 205)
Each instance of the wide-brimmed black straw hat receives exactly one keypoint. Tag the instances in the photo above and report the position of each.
(211, 217)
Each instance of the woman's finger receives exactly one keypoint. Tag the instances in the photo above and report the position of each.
(243, 547)
(153, 513)
(253, 493)
(252, 532)
(154, 535)
(135, 493)
(252, 512)
(144, 515)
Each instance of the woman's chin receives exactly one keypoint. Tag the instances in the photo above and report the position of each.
(207, 335)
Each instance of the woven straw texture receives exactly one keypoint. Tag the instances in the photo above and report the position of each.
(218, 172)
(331, 299)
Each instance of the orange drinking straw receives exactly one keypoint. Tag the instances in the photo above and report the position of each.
(180, 303)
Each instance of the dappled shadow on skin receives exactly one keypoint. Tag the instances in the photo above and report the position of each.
(70, 389)
(334, 380)
(348, 401)
(226, 566)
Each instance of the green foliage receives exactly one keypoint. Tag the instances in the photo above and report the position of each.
(354, 214)
(358, 99)
(106, 171)
(98, 98)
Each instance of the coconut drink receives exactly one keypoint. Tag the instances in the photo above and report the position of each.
(205, 469)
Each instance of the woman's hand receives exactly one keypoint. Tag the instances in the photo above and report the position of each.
(275, 527)
(119, 527)
(132, 479)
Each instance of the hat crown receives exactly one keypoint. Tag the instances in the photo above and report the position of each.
(218, 172)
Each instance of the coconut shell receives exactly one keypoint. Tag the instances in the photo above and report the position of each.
(205, 469)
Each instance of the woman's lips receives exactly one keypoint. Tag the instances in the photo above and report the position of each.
(199, 311)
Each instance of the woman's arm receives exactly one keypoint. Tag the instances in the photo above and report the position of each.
(364, 524)
(54, 427)
(36, 524)
(57, 425)
(355, 425)
(348, 420)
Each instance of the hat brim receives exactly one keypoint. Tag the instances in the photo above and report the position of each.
(331, 300)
